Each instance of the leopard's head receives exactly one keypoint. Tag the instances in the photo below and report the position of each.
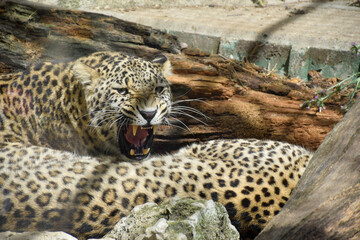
(127, 98)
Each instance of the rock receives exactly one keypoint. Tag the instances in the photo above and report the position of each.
(183, 45)
(36, 236)
(176, 219)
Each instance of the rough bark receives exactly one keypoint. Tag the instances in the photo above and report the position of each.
(241, 101)
(32, 33)
(326, 202)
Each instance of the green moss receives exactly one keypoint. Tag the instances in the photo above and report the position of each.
(183, 210)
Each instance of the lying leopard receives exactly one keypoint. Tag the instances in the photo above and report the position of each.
(75, 143)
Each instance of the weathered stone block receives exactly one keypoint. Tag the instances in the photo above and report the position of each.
(176, 219)
(205, 43)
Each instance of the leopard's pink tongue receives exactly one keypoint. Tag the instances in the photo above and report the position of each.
(136, 140)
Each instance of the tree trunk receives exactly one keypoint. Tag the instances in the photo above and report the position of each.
(326, 202)
(240, 101)
(32, 32)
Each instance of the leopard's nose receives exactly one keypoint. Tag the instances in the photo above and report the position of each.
(148, 115)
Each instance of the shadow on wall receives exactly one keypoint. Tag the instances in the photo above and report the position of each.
(291, 60)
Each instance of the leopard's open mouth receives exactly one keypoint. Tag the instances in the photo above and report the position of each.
(136, 141)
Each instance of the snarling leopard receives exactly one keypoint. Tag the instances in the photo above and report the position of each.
(75, 144)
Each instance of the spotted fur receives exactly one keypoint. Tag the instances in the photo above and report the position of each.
(84, 106)
(49, 182)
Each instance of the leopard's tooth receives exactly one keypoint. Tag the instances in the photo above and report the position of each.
(132, 152)
(135, 127)
(154, 129)
(146, 151)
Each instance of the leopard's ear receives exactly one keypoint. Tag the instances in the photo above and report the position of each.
(163, 62)
(85, 74)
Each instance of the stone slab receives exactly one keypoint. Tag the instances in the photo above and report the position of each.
(312, 35)
(203, 42)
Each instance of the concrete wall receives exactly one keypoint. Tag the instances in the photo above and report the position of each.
(287, 52)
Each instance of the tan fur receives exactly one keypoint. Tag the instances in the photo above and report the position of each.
(66, 181)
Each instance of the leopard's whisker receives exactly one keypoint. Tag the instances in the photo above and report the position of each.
(189, 115)
(174, 125)
(125, 121)
(190, 109)
(116, 120)
(181, 122)
(104, 117)
(190, 100)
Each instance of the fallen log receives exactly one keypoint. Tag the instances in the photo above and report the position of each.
(33, 33)
(239, 101)
(243, 104)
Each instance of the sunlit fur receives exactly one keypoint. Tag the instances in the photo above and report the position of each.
(61, 167)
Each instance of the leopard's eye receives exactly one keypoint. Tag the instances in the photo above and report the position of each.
(121, 90)
(159, 89)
